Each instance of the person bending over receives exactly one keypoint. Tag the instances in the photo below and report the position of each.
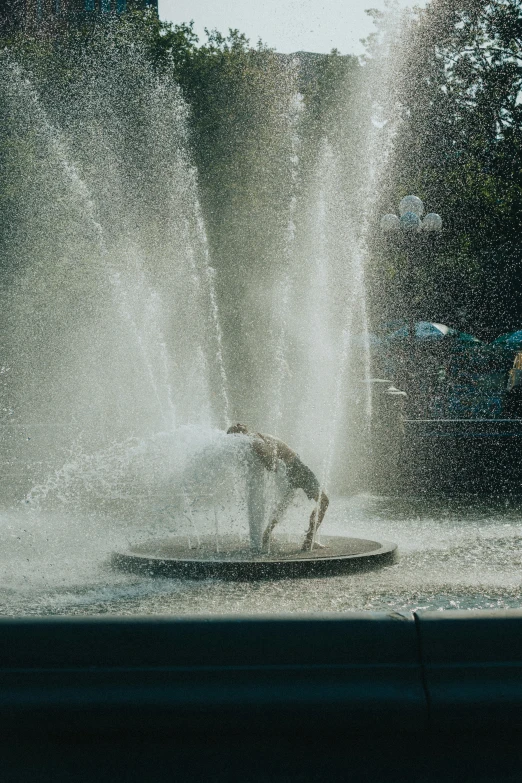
(270, 450)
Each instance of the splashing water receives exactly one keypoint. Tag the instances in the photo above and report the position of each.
(121, 296)
(283, 290)
(129, 341)
(133, 368)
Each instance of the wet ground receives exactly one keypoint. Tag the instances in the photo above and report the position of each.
(454, 554)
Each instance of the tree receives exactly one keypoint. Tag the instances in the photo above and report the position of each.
(459, 146)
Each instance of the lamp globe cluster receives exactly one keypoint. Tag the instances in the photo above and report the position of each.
(411, 210)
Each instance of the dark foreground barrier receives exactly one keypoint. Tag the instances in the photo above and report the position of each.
(435, 696)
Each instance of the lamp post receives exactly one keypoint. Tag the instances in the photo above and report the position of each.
(409, 231)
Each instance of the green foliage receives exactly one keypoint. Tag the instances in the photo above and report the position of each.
(458, 144)
(459, 147)
(241, 107)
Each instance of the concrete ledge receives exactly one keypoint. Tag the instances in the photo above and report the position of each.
(372, 673)
(284, 700)
(239, 675)
(472, 664)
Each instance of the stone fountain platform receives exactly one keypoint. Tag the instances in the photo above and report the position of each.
(233, 559)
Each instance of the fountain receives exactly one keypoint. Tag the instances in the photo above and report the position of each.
(223, 532)
(123, 362)
(132, 338)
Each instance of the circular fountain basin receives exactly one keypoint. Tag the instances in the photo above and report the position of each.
(233, 559)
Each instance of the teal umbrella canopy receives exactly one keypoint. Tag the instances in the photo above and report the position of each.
(430, 330)
(512, 341)
(462, 352)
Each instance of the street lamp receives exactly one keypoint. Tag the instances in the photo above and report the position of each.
(411, 210)
(408, 225)
(410, 231)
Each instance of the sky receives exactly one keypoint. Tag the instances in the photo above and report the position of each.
(286, 25)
